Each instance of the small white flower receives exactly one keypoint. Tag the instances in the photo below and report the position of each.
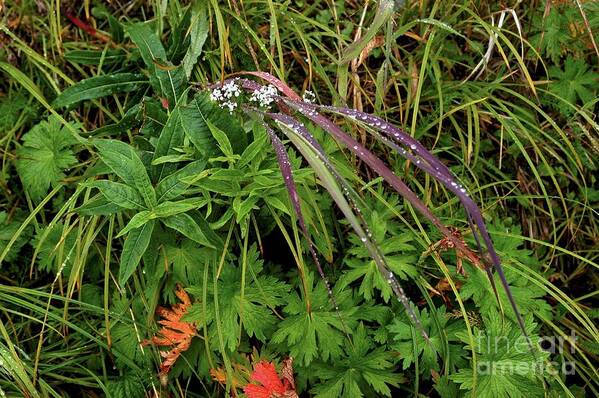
(309, 97)
(265, 95)
(226, 94)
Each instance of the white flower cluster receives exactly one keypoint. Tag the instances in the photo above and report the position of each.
(265, 95)
(226, 95)
(309, 97)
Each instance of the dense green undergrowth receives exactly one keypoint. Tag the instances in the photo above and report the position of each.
(129, 172)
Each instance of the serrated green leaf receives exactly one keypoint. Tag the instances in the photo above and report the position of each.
(148, 43)
(172, 186)
(221, 138)
(186, 225)
(171, 137)
(45, 155)
(505, 366)
(124, 162)
(8, 227)
(98, 206)
(133, 249)
(198, 36)
(136, 221)
(119, 194)
(362, 371)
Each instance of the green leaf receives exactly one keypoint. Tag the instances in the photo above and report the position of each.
(505, 366)
(147, 42)
(122, 159)
(172, 187)
(171, 137)
(99, 86)
(98, 206)
(221, 138)
(7, 230)
(259, 145)
(362, 371)
(132, 118)
(311, 333)
(94, 57)
(252, 310)
(529, 297)
(129, 385)
(399, 253)
(119, 194)
(167, 209)
(441, 332)
(198, 35)
(186, 225)
(136, 221)
(170, 82)
(135, 245)
(45, 155)
(194, 122)
(575, 82)
(55, 247)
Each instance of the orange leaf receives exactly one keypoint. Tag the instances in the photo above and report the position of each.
(174, 333)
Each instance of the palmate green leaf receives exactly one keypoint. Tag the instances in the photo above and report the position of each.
(398, 250)
(309, 335)
(122, 159)
(528, 296)
(45, 155)
(13, 106)
(129, 385)
(100, 86)
(135, 245)
(575, 82)
(412, 346)
(361, 371)
(120, 194)
(185, 260)
(505, 366)
(554, 36)
(251, 310)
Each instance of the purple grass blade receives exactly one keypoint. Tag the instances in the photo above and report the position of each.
(434, 167)
(285, 167)
(362, 230)
(374, 163)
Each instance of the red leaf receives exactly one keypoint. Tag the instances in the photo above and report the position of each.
(272, 385)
